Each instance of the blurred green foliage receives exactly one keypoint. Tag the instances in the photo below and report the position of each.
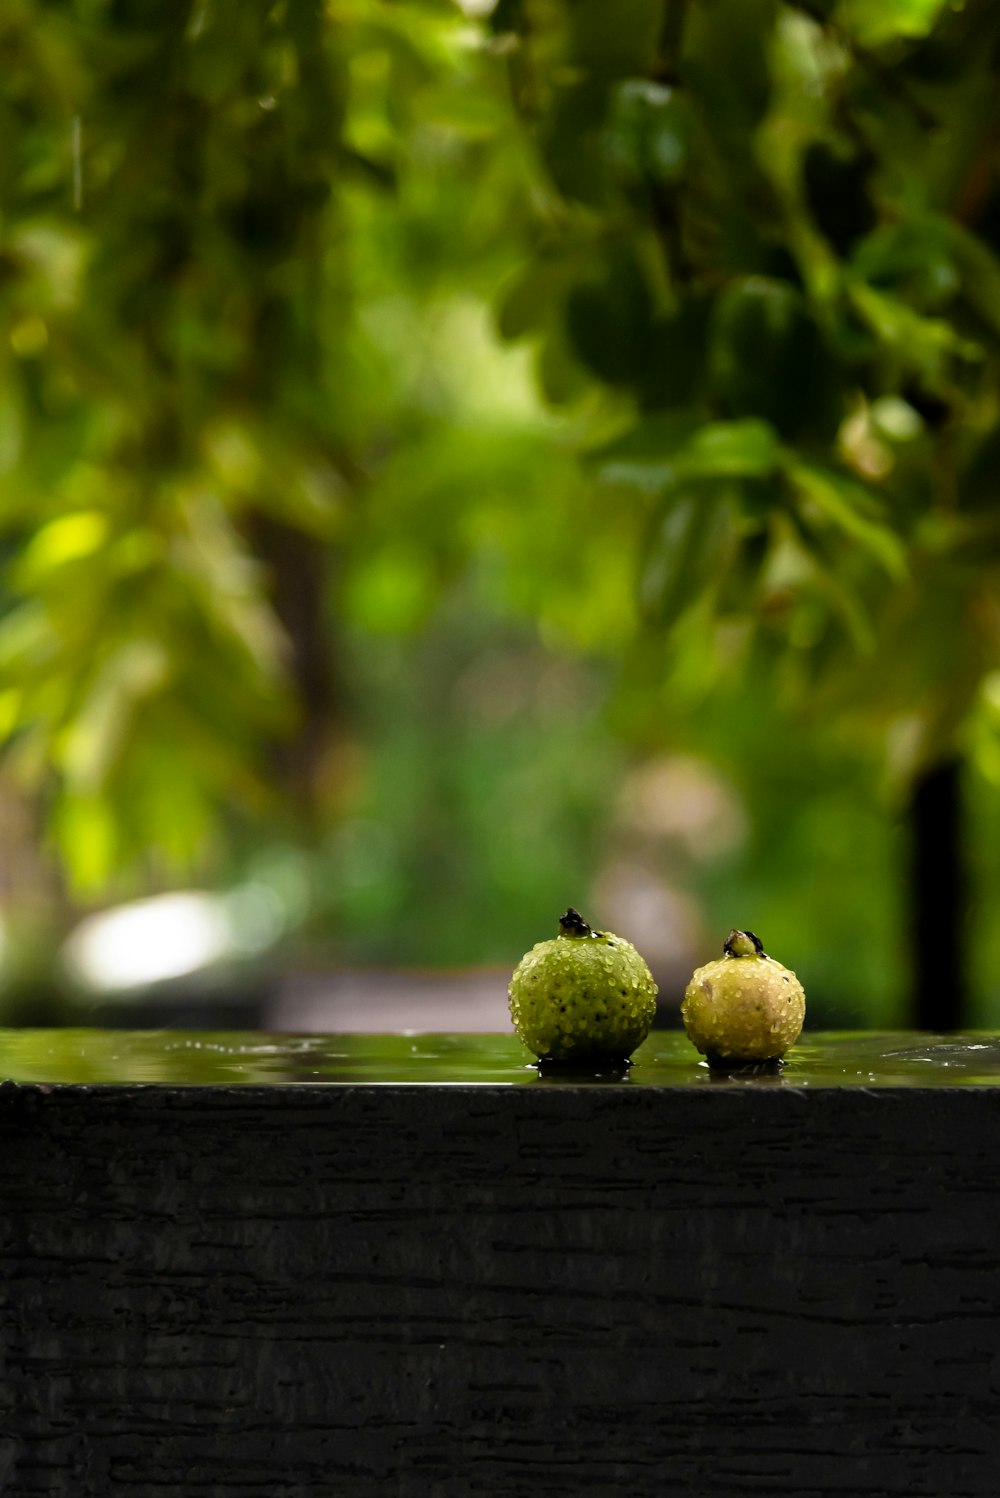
(775, 252)
(239, 244)
(294, 553)
(777, 242)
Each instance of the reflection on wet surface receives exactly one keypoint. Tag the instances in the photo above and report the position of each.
(857, 1059)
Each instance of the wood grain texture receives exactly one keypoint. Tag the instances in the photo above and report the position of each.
(454, 1291)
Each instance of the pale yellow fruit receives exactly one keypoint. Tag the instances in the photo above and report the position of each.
(744, 1007)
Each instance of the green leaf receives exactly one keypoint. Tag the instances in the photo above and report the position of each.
(644, 457)
(101, 728)
(560, 374)
(571, 138)
(853, 509)
(610, 321)
(873, 22)
(68, 539)
(648, 133)
(616, 40)
(665, 450)
(683, 555)
(979, 270)
(768, 359)
(913, 256)
(726, 65)
(528, 302)
(922, 343)
(736, 449)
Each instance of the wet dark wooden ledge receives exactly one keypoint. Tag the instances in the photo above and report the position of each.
(330, 1277)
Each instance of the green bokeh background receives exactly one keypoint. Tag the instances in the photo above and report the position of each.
(457, 461)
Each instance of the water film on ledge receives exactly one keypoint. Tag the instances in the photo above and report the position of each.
(666, 1059)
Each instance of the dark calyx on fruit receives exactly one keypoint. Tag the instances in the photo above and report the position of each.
(743, 944)
(573, 924)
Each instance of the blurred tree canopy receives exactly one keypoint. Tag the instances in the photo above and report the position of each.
(777, 243)
(776, 240)
(232, 238)
(251, 407)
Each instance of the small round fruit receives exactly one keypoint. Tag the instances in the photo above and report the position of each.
(744, 1007)
(585, 994)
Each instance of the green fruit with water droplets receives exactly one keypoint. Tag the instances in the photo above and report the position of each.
(744, 1007)
(584, 994)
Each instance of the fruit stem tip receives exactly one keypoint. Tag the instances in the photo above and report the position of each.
(573, 924)
(743, 944)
